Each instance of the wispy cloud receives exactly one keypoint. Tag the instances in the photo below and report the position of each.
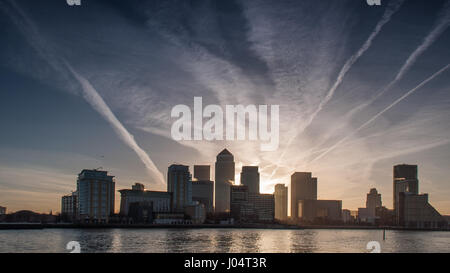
(59, 64)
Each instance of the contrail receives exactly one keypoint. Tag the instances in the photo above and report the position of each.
(96, 101)
(382, 112)
(442, 24)
(89, 93)
(392, 8)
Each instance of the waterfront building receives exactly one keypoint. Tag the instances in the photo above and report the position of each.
(2, 210)
(69, 206)
(224, 179)
(319, 211)
(303, 187)
(160, 202)
(179, 183)
(412, 210)
(250, 178)
(203, 192)
(405, 180)
(281, 202)
(251, 207)
(373, 202)
(96, 196)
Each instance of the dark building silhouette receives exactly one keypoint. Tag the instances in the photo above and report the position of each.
(224, 178)
(250, 178)
(251, 207)
(180, 185)
(303, 187)
(281, 202)
(160, 202)
(202, 172)
(203, 192)
(405, 180)
(412, 210)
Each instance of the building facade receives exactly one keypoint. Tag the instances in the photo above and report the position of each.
(319, 211)
(303, 187)
(179, 183)
(405, 180)
(202, 172)
(251, 207)
(203, 192)
(96, 196)
(69, 206)
(224, 179)
(281, 202)
(2, 210)
(160, 202)
(250, 178)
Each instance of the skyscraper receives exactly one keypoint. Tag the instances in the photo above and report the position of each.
(250, 178)
(224, 177)
(303, 187)
(96, 196)
(180, 185)
(405, 180)
(203, 192)
(202, 172)
(281, 202)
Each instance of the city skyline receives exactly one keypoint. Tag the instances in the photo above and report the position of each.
(360, 88)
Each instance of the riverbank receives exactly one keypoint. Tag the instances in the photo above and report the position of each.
(6, 226)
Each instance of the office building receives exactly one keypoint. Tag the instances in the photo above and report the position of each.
(224, 178)
(411, 209)
(96, 196)
(405, 180)
(250, 178)
(202, 172)
(373, 202)
(251, 207)
(281, 202)
(159, 202)
(69, 206)
(303, 187)
(203, 192)
(2, 210)
(179, 183)
(319, 211)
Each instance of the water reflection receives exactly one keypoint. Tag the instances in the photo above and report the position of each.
(221, 240)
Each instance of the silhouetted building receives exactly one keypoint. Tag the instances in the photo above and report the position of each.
(373, 202)
(384, 216)
(347, 216)
(2, 210)
(69, 207)
(303, 187)
(416, 212)
(96, 196)
(140, 212)
(405, 180)
(196, 212)
(411, 209)
(158, 201)
(224, 177)
(319, 211)
(250, 178)
(203, 192)
(202, 172)
(180, 185)
(251, 207)
(281, 202)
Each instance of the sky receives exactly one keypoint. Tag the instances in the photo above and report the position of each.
(360, 88)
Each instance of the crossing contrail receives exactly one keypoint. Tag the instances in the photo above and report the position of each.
(89, 93)
(392, 8)
(382, 112)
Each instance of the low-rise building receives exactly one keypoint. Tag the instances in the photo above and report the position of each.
(159, 201)
(319, 211)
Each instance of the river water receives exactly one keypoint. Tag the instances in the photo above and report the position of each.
(222, 240)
